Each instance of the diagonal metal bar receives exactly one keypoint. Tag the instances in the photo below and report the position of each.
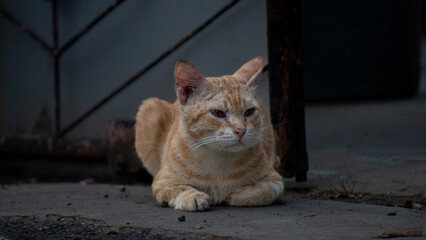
(77, 36)
(13, 19)
(146, 68)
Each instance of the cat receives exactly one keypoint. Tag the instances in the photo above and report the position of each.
(213, 145)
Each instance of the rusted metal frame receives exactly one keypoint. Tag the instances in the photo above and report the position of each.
(148, 67)
(285, 52)
(43, 146)
(85, 29)
(54, 50)
(13, 19)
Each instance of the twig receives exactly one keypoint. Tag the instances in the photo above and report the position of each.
(412, 232)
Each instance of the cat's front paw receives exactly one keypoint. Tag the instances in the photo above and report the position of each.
(192, 201)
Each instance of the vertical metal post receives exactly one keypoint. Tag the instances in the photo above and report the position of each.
(56, 55)
(286, 86)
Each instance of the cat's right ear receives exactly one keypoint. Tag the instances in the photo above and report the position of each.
(187, 80)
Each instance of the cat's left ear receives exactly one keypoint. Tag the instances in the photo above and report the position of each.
(187, 80)
(249, 72)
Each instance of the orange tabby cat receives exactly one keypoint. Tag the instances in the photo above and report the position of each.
(213, 145)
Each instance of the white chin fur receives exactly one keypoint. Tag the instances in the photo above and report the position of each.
(238, 147)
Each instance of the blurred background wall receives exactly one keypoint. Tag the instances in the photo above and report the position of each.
(361, 49)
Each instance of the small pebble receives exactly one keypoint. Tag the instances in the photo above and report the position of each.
(106, 196)
(181, 219)
(87, 181)
(417, 205)
(123, 189)
(392, 214)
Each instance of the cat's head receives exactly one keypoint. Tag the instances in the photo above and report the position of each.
(220, 113)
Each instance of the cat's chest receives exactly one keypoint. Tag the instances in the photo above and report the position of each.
(220, 175)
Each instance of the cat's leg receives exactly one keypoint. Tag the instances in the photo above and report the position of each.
(264, 192)
(182, 197)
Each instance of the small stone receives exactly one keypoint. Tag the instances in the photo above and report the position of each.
(392, 214)
(181, 219)
(123, 189)
(106, 196)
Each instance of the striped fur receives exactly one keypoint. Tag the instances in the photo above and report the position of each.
(214, 145)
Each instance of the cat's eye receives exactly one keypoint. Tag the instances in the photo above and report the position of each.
(249, 112)
(218, 113)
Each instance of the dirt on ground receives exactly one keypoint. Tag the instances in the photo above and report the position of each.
(412, 202)
(58, 227)
(75, 228)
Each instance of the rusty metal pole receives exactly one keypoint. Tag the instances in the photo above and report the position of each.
(286, 86)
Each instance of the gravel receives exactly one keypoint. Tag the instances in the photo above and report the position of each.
(69, 228)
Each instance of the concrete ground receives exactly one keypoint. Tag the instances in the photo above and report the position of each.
(134, 207)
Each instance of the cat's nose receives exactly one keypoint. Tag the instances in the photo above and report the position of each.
(240, 132)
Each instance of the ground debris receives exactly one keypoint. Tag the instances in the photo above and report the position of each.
(412, 232)
(418, 200)
(87, 181)
(67, 228)
(347, 189)
(411, 205)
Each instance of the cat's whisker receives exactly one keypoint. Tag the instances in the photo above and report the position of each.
(202, 142)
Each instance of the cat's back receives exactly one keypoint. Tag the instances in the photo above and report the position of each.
(154, 120)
